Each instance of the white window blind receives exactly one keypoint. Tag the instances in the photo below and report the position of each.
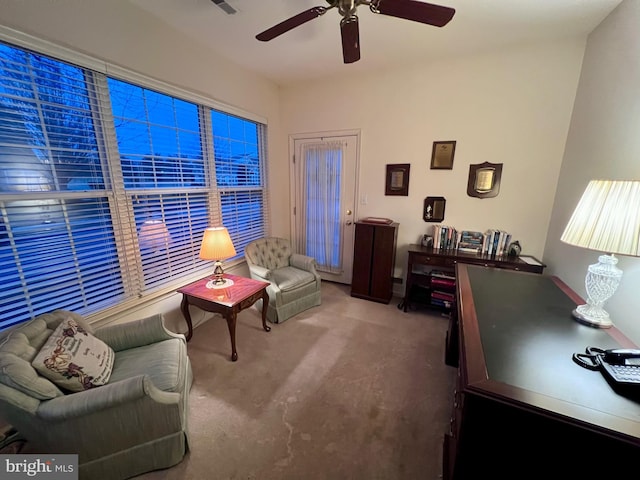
(240, 180)
(106, 187)
(57, 247)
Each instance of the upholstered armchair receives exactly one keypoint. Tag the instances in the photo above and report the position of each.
(133, 423)
(294, 281)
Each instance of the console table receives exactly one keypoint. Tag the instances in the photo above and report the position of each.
(522, 407)
(421, 260)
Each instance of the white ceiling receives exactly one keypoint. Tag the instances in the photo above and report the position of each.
(314, 50)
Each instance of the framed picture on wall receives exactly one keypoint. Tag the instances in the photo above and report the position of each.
(397, 180)
(484, 180)
(442, 155)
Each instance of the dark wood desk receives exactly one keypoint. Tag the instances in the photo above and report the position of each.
(522, 407)
(227, 301)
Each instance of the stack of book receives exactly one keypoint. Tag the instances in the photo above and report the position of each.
(496, 242)
(493, 242)
(470, 242)
(443, 285)
(445, 237)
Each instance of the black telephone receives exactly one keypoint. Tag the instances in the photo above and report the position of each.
(619, 365)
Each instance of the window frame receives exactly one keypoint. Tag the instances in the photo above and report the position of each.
(116, 192)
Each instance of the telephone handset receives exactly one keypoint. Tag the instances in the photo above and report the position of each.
(620, 365)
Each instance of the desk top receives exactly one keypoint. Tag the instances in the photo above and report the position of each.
(517, 340)
(241, 289)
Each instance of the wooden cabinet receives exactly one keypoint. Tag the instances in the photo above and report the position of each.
(424, 261)
(374, 256)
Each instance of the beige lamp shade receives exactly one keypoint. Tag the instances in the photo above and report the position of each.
(216, 244)
(607, 218)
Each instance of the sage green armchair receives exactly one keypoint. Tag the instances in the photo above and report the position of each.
(135, 423)
(294, 281)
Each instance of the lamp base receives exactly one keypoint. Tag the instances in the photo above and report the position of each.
(215, 283)
(592, 316)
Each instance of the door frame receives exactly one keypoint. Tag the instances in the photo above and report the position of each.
(292, 171)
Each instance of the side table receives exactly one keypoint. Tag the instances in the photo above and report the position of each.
(226, 301)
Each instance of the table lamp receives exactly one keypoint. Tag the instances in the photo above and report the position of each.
(606, 219)
(217, 246)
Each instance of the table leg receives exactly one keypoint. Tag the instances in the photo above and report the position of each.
(184, 307)
(231, 318)
(265, 304)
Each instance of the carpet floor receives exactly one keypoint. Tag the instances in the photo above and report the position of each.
(351, 389)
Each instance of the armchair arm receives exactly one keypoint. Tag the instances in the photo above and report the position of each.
(124, 336)
(303, 262)
(259, 271)
(121, 415)
(108, 396)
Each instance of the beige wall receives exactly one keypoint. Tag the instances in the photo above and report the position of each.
(511, 107)
(603, 143)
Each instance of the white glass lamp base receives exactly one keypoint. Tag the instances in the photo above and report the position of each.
(592, 316)
(601, 282)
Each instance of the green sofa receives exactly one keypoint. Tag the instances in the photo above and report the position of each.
(135, 423)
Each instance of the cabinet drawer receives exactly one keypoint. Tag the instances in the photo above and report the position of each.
(434, 261)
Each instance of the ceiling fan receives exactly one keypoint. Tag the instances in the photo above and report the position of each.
(428, 13)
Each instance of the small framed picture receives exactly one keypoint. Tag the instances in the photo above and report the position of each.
(397, 181)
(442, 155)
(434, 209)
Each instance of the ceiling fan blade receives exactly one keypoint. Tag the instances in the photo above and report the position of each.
(291, 23)
(435, 15)
(350, 39)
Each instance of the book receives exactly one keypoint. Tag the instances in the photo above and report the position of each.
(446, 296)
(443, 274)
(443, 282)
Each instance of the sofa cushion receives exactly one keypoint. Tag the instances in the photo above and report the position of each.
(73, 358)
(271, 253)
(16, 372)
(289, 278)
(20, 347)
(163, 362)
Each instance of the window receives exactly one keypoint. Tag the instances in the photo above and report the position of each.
(239, 177)
(106, 186)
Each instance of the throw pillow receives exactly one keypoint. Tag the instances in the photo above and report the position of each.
(74, 359)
